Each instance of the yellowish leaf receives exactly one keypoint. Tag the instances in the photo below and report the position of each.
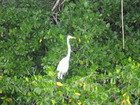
(9, 100)
(70, 100)
(78, 94)
(1, 77)
(126, 100)
(59, 84)
(79, 103)
(84, 86)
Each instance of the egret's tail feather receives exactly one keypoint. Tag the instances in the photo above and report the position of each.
(60, 75)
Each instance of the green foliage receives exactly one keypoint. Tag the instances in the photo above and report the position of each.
(21, 39)
(100, 72)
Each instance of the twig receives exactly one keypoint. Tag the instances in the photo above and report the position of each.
(55, 5)
(56, 9)
(62, 4)
(122, 24)
(55, 18)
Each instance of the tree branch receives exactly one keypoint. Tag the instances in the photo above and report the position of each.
(122, 24)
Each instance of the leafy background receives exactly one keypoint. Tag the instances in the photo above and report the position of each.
(100, 72)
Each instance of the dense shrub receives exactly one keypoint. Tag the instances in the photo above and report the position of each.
(100, 72)
(22, 30)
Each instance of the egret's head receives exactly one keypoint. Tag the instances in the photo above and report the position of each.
(71, 37)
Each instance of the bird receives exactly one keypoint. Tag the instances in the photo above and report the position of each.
(63, 65)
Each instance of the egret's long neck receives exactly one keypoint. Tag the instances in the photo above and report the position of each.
(69, 48)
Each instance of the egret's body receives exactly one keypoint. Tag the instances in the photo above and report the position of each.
(63, 65)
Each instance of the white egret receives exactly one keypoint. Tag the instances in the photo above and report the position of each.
(63, 65)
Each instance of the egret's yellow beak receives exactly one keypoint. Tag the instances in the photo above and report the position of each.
(73, 37)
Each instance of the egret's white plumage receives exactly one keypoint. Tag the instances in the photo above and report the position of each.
(63, 65)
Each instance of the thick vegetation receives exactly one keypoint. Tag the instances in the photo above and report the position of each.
(100, 72)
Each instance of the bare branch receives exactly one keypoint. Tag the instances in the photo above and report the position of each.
(55, 5)
(122, 23)
(56, 9)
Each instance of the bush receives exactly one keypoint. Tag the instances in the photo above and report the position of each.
(100, 72)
